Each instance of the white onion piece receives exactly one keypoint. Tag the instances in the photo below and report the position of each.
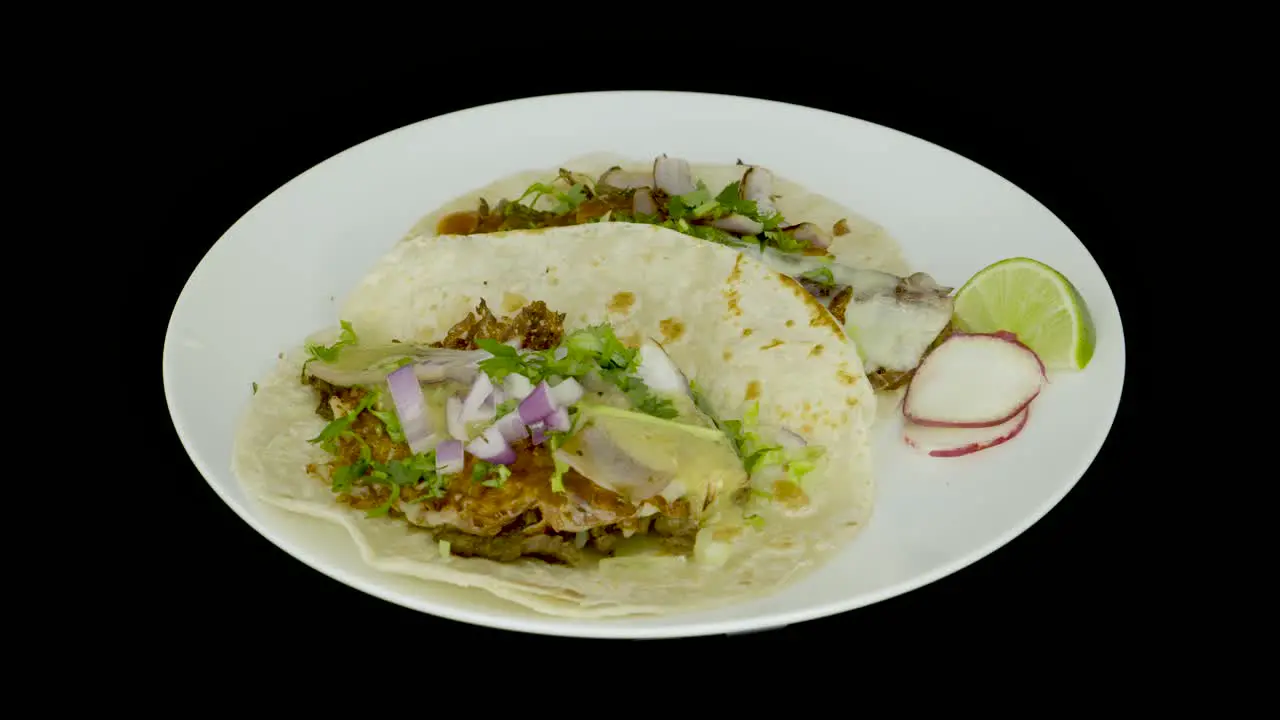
(538, 405)
(492, 447)
(740, 224)
(481, 389)
(567, 392)
(449, 459)
(642, 203)
(757, 185)
(673, 175)
(625, 180)
(517, 386)
(560, 353)
(453, 418)
(511, 427)
(411, 408)
(558, 420)
(811, 234)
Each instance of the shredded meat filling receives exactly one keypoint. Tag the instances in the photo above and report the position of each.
(535, 326)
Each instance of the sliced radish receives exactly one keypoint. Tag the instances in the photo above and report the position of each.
(957, 441)
(973, 381)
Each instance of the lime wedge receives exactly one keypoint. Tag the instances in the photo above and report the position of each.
(1034, 302)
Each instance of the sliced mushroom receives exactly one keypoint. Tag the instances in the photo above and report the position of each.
(739, 224)
(642, 203)
(673, 176)
(757, 185)
(811, 234)
(623, 180)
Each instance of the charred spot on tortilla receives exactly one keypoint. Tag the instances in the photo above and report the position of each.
(672, 328)
(621, 302)
(839, 303)
(790, 495)
(746, 332)
(846, 377)
(753, 390)
(731, 301)
(816, 351)
(841, 227)
(851, 401)
(727, 355)
(791, 323)
(773, 344)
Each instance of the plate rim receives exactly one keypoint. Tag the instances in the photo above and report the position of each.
(610, 628)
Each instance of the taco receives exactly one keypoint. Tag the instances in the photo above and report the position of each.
(590, 421)
(848, 263)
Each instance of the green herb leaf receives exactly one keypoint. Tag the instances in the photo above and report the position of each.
(344, 478)
(330, 353)
(498, 475)
(255, 388)
(495, 348)
(339, 425)
(554, 440)
(821, 275)
(505, 407)
(784, 241)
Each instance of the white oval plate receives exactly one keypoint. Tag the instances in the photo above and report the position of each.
(272, 278)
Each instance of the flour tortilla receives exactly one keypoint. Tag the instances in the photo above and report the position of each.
(743, 329)
(867, 244)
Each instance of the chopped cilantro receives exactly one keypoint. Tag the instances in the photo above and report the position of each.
(339, 425)
(497, 476)
(554, 441)
(566, 199)
(821, 275)
(330, 353)
(504, 362)
(344, 478)
(490, 474)
(505, 407)
(754, 520)
(730, 202)
(784, 241)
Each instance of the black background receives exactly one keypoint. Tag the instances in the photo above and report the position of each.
(236, 136)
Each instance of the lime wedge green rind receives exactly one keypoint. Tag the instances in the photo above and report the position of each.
(1033, 301)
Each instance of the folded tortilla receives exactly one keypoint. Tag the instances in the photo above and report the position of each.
(894, 317)
(750, 340)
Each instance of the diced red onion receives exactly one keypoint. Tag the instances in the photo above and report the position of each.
(481, 389)
(511, 427)
(567, 392)
(453, 417)
(558, 420)
(536, 434)
(492, 447)
(538, 405)
(449, 459)
(411, 408)
(517, 386)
